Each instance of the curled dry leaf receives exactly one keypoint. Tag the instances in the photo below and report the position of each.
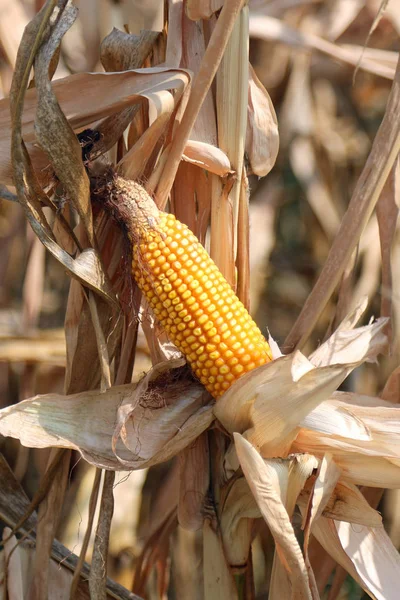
(271, 404)
(262, 136)
(346, 503)
(53, 131)
(207, 157)
(100, 95)
(363, 435)
(264, 483)
(366, 553)
(356, 345)
(238, 512)
(154, 430)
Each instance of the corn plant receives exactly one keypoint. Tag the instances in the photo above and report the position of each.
(136, 178)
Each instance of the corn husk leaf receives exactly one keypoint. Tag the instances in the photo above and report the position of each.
(265, 485)
(293, 474)
(361, 432)
(239, 510)
(275, 398)
(363, 344)
(150, 433)
(207, 157)
(346, 503)
(202, 9)
(366, 553)
(262, 136)
(271, 403)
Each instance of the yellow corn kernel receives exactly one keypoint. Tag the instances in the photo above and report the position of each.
(190, 297)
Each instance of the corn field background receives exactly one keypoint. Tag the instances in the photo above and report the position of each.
(272, 129)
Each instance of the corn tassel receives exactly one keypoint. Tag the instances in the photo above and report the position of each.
(188, 294)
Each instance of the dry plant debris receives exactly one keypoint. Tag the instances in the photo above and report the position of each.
(259, 468)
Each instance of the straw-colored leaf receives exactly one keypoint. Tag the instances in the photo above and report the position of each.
(100, 95)
(238, 512)
(207, 157)
(346, 503)
(366, 553)
(262, 137)
(356, 345)
(363, 435)
(157, 429)
(54, 133)
(265, 486)
(273, 402)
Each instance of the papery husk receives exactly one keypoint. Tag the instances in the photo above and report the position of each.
(265, 485)
(367, 554)
(207, 157)
(262, 136)
(238, 512)
(346, 503)
(150, 433)
(271, 402)
(361, 433)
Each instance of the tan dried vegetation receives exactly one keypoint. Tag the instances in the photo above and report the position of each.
(111, 446)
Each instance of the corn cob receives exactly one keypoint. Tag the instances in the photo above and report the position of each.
(188, 294)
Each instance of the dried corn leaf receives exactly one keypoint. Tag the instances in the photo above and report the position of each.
(206, 73)
(292, 474)
(324, 484)
(238, 512)
(121, 51)
(265, 486)
(54, 133)
(387, 210)
(100, 95)
(153, 433)
(271, 404)
(355, 345)
(207, 157)
(361, 433)
(346, 503)
(262, 137)
(367, 554)
(133, 163)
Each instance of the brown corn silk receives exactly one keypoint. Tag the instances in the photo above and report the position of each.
(189, 296)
